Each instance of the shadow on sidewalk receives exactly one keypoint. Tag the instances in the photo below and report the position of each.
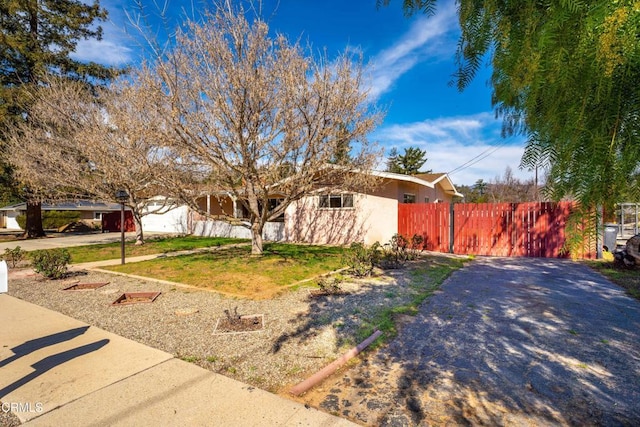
(42, 342)
(51, 362)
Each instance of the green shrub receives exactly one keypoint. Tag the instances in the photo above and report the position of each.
(51, 263)
(52, 219)
(13, 256)
(330, 286)
(362, 259)
(56, 219)
(394, 253)
(22, 221)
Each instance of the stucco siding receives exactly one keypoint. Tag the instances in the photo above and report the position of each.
(373, 218)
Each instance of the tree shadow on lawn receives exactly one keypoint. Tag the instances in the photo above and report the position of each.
(367, 304)
(507, 341)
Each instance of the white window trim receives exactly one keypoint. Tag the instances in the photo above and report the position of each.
(342, 198)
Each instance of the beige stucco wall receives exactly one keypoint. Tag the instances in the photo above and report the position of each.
(373, 218)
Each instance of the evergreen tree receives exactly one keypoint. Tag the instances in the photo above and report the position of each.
(408, 163)
(37, 38)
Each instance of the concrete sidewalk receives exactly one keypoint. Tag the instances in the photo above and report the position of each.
(60, 240)
(59, 371)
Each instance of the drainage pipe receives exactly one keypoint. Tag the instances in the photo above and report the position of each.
(319, 376)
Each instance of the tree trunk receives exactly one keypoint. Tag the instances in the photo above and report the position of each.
(256, 238)
(33, 228)
(137, 220)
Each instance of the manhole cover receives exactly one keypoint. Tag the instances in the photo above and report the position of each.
(242, 324)
(85, 286)
(136, 298)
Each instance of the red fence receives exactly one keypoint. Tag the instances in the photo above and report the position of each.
(496, 229)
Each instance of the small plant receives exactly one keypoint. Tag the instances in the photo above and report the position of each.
(416, 246)
(14, 256)
(362, 259)
(51, 263)
(330, 286)
(394, 253)
(232, 318)
(190, 359)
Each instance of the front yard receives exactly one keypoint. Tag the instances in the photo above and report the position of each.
(301, 333)
(104, 251)
(234, 271)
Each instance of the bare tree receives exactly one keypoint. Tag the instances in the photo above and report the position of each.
(87, 143)
(259, 117)
(510, 189)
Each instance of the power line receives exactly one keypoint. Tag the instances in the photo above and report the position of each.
(486, 153)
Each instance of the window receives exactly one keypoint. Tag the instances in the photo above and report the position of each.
(409, 198)
(97, 216)
(336, 201)
(273, 203)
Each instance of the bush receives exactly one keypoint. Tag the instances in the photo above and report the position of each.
(416, 246)
(362, 259)
(330, 286)
(13, 256)
(22, 221)
(394, 253)
(52, 219)
(51, 263)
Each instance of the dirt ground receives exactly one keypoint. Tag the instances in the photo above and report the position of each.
(504, 342)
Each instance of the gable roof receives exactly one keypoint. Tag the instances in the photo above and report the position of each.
(425, 179)
(443, 179)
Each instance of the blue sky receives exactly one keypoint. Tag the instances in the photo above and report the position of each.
(410, 61)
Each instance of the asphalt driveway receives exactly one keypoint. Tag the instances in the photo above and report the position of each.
(506, 341)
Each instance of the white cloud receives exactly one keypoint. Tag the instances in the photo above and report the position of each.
(468, 146)
(114, 48)
(106, 52)
(423, 40)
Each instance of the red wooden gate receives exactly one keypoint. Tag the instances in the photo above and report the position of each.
(496, 229)
(430, 220)
(111, 221)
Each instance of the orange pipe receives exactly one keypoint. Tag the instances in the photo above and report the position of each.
(319, 376)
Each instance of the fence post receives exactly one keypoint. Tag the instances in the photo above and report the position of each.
(451, 233)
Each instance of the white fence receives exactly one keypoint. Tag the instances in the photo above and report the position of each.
(273, 231)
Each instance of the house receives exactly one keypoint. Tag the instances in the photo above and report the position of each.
(90, 212)
(324, 217)
(342, 218)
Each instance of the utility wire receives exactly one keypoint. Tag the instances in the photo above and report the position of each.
(486, 153)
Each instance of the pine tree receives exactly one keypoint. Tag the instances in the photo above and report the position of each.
(37, 38)
(408, 163)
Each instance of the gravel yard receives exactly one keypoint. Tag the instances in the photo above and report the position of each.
(504, 341)
(300, 334)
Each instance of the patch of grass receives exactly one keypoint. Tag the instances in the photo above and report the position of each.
(626, 278)
(572, 332)
(106, 251)
(425, 279)
(190, 359)
(235, 271)
(212, 359)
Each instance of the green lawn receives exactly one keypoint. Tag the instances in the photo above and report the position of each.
(235, 271)
(152, 246)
